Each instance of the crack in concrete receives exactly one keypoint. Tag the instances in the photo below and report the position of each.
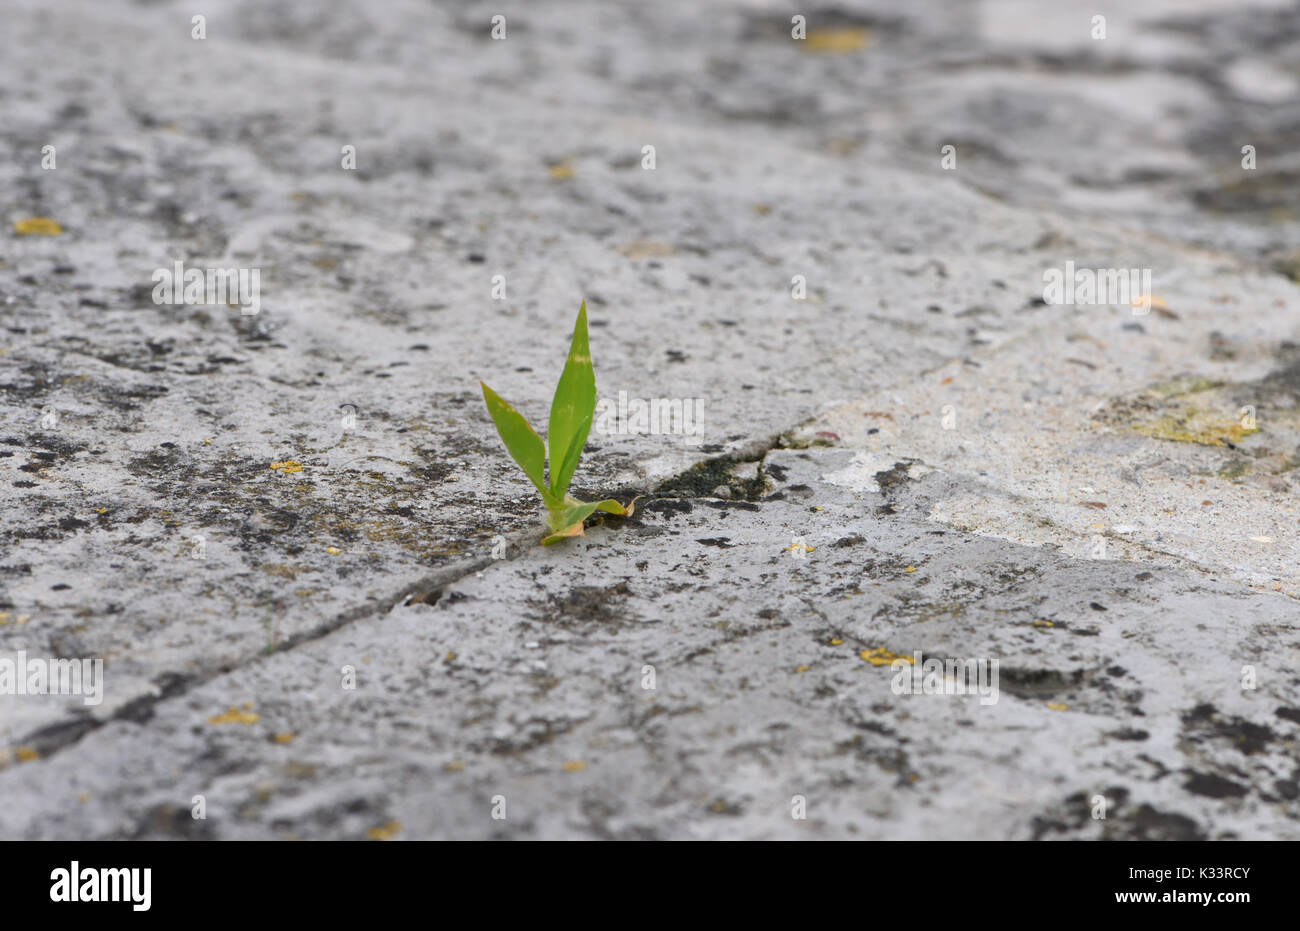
(53, 738)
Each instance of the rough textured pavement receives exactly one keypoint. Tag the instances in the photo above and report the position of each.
(918, 455)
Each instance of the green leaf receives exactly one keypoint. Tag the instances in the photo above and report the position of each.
(571, 409)
(522, 441)
(581, 510)
(573, 530)
(567, 520)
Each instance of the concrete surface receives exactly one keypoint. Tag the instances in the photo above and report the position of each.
(920, 455)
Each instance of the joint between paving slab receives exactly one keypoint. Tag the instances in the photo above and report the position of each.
(51, 739)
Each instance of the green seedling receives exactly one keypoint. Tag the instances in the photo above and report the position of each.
(571, 413)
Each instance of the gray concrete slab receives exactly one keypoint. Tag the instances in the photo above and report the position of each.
(916, 454)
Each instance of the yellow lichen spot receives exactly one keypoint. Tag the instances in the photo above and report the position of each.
(561, 170)
(1057, 706)
(288, 467)
(836, 41)
(1042, 623)
(1195, 427)
(762, 209)
(283, 738)
(450, 657)
(910, 569)
(37, 226)
(1194, 409)
(26, 754)
(101, 510)
(648, 249)
(836, 641)
(574, 766)
(800, 546)
(455, 766)
(384, 831)
(1148, 301)
(233, 715)
(883, 657)
(801, 668)
(333, 550)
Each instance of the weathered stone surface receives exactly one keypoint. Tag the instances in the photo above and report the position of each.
(1058, 523)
